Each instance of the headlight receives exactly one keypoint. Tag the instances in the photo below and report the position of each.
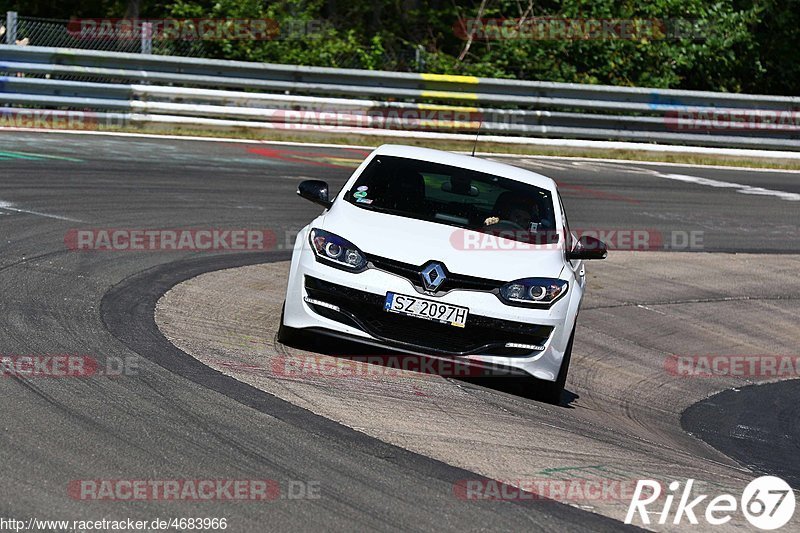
(336, 251)
(533, 292)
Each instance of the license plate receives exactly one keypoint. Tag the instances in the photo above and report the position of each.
(426, 309)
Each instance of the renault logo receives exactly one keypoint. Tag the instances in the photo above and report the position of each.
(433, 276)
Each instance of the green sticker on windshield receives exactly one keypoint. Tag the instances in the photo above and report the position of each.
(360, 194)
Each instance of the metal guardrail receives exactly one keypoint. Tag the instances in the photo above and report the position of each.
(202, 93)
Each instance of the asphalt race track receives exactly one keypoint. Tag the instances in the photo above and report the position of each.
(385, 454)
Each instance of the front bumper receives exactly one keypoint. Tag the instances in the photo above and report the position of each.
(364, 310)
(323, 298)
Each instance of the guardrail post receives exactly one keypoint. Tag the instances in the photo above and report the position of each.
(147, 37)
(419, 58)
(11, 27)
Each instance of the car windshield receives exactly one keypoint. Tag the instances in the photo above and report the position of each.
(456, 197)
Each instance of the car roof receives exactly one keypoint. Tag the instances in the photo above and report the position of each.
(469, 162)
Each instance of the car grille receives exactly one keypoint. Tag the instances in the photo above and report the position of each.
(364, 311)
(453, 281)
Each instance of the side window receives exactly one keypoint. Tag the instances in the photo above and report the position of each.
(569, 244)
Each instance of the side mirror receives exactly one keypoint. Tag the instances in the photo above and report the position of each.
(316, 191)
(588, 248)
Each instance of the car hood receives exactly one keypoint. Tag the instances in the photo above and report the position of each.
(462, 251)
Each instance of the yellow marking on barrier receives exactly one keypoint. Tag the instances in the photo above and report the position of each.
(449, 95)
(449, 124)
(452, 78)
(440, 107)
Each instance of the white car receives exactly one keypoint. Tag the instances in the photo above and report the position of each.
(444, 255)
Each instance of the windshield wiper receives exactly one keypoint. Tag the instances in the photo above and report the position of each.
(376, 208)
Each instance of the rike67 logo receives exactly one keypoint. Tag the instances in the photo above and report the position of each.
(767, 503)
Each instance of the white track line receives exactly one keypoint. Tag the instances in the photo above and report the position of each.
(634, 162)
(775, 155)
(744, 189)
(8, 206)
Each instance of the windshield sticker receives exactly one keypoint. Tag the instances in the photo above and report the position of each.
(360, 194)
(364, 200)
(362, 188)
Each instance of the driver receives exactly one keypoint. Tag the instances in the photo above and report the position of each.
(513, 210)
(521, 216)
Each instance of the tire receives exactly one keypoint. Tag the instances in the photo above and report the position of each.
(551, 391)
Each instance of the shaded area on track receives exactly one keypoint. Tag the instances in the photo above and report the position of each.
(758, 426)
